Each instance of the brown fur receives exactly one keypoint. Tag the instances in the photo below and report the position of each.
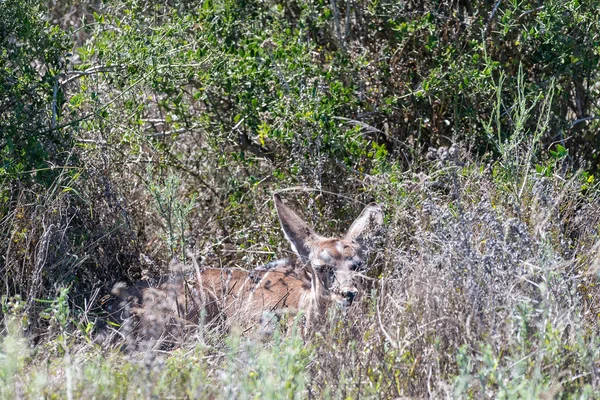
(167, 309)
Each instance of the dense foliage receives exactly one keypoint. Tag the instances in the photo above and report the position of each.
(135, 132)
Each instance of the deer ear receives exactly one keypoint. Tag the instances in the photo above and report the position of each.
(366, 226)
(296, 231)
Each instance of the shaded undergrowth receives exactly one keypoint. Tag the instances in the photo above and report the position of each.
(472, 294)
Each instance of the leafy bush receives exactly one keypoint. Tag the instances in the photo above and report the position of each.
(32, 60)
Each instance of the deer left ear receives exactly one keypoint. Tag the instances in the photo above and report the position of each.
(296, 231)
(366, 225)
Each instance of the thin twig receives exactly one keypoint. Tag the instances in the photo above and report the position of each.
(488, 26)
(583, 120)
(529, 12)
(306, 189)
(336, 21)
(91, 71)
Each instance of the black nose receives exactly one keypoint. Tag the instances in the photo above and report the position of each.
(349, 295)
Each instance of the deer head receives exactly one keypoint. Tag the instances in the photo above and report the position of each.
(334, 260)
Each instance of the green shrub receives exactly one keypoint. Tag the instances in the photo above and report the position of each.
(33, 59)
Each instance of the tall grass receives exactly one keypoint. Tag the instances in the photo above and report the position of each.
(236, 368)
(474, 296)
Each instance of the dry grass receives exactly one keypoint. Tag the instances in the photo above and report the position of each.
(471, 294)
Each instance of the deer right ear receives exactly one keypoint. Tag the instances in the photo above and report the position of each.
(366, 226)
(296, 231)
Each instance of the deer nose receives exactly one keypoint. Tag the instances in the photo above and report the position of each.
(349, 294)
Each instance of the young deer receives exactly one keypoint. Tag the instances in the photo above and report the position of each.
(322, 275)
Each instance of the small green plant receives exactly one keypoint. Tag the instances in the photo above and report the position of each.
(172, 211)
(520, 147)
(274, 371)
(14, 348)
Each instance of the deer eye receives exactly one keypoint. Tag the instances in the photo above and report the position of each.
(357, 265)
(324, 268)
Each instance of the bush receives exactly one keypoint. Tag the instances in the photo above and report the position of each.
(32, 61)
